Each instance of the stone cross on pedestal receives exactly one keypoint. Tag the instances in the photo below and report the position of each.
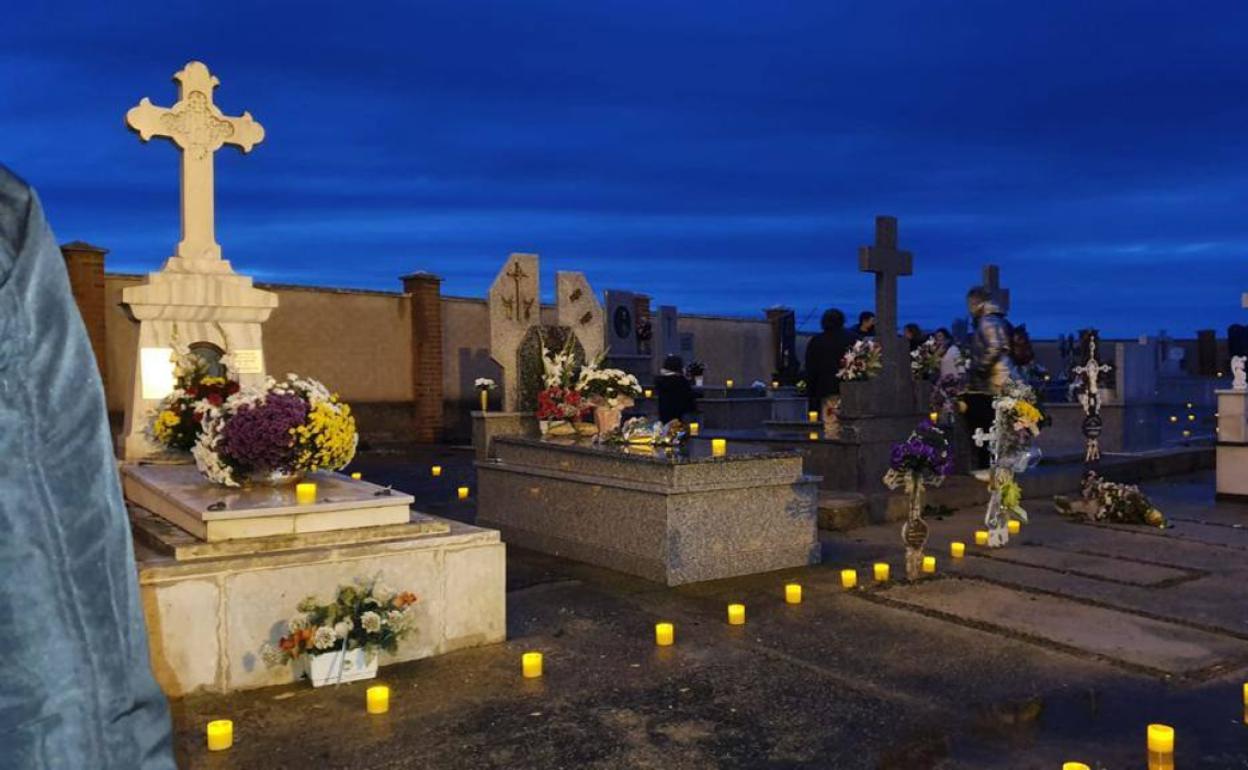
(196, 126)
(887, 262)
(992, 282)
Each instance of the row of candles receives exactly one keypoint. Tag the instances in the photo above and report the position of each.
(305, 491)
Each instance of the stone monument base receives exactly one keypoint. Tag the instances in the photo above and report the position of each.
(486, 426)
(1232, 447)
(211, 607)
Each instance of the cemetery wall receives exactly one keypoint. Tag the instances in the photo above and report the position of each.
(736, 348)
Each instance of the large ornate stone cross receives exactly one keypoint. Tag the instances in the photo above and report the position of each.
(196, 126)
(992, 282)
(887, 262)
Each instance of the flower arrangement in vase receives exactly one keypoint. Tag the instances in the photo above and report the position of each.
(340, 640)
(484, 385)
(696, 371)
(925, 360)
(862, 361)
(274, 432)
(922, 460)
(610, 391)
(178, 419)
(1017, 421)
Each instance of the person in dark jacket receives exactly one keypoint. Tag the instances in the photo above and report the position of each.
(865, 330)
(991, 366)
(78, 691)
(913, 334)
(823, 363)
(677, 397)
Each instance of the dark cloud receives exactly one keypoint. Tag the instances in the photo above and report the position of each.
(722, 157)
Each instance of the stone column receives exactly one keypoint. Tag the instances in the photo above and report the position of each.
(425, 290)
(85, 265)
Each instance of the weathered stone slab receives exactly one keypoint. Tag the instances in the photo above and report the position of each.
(1115, 570)
(669, 518)
(209, 619)
(211, 512)
(515, 307)
(1127, 638)
(579, 310)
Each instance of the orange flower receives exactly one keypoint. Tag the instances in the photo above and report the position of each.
(404, 599)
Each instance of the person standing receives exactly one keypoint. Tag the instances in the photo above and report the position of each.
(865, 330)
(823, 364)
(913, 334)
(950, 353)
(79, 690)
(677, 398)
(991, 368)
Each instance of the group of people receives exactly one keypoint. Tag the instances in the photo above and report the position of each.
(996, 348)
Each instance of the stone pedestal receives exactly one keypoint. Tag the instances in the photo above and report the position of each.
(211, 607)
(1232, 447)
(486, 426)
(672, 518)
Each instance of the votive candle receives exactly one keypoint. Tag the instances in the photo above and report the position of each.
(648, 393)
(849, 578)
(694, 428)
(793, 593)
(463, 493)
(531, 665)
(436, 471)
(377, 699)
(357, 475)
(305, 492)
(933, 416)
(1160, 747)
(881, 570)
(775, 384)
(814, 436)
(812, 416)
(664, 634)
(719, 447)
(1075, 766)
(957, 550)
(736, 614)
(727, 383)
(981, 537)
(1014, 526)
(220, 734)
(929, 564)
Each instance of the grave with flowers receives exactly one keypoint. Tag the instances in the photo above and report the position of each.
(233, 478)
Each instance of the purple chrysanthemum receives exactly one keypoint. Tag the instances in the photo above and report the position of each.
(258, 437)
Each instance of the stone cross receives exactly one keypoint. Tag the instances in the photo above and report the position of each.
(992, 282)
(199, 129)
(887, 262)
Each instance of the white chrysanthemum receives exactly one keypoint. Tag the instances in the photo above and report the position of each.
(370, 621)
(297, 623)
(342, 628)
(396, 619)
(382, 592)
(324, 638)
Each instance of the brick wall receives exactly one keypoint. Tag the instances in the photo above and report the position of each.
(425, 292)
(85, 265)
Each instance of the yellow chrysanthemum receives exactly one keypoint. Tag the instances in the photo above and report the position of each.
(327, 439)
(163, 427)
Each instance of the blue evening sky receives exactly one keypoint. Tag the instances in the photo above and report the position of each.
(721, 156)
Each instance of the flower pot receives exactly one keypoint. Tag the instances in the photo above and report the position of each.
(273, 478)
(335, 667)
(607, 419)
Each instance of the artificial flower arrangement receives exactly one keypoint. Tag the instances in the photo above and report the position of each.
(925, 360)
(612, 388)
(1103, 500)
(1017, 421)
(640, 431)
(862, 361)
(362, 620)
(274, 432)
(924, 459)
(945, 396)
(484, 385)
(178, 420)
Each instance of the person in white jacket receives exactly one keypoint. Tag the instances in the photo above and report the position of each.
(951, 357)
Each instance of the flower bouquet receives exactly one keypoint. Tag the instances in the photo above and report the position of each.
(561, 406)
(340, 640)
(924, 459)
(696, 371)
(484, 385)
(925, 360)
(178, 420)
(1017, 421)
(1103, 500)
(945, 394)
(610, 391)
(862, 361)
(274, 433)
(641, 432)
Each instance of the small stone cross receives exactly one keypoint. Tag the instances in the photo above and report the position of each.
(196, 126)
(887, 262)
(992, 282)
(981, 436)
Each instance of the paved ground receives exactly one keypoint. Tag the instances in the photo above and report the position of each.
(1062, 646)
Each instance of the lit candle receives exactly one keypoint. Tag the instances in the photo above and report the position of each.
(1174, 418)
(813, 416)
(436, 471)
(1160, 747)
(881, 572)
(1191, 418)
(531, 665)
(649, 393)
(849, 578)
(814, 435)
(357, 475)
(664, 634)
(933, 416)
(793, 593)
(1075, 766)
(727, 383)
(220, 734)
(1014, 526)
(929, 564)
(957, 550)
(463, 493)
(305, 492)
(736, 614)
(719, 447)
(981, 537)
(775, 384)
(377, 699)
(694, 428)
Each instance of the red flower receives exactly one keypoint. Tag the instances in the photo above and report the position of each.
(215, 399)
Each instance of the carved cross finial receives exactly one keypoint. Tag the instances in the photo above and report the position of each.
(198, 128)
